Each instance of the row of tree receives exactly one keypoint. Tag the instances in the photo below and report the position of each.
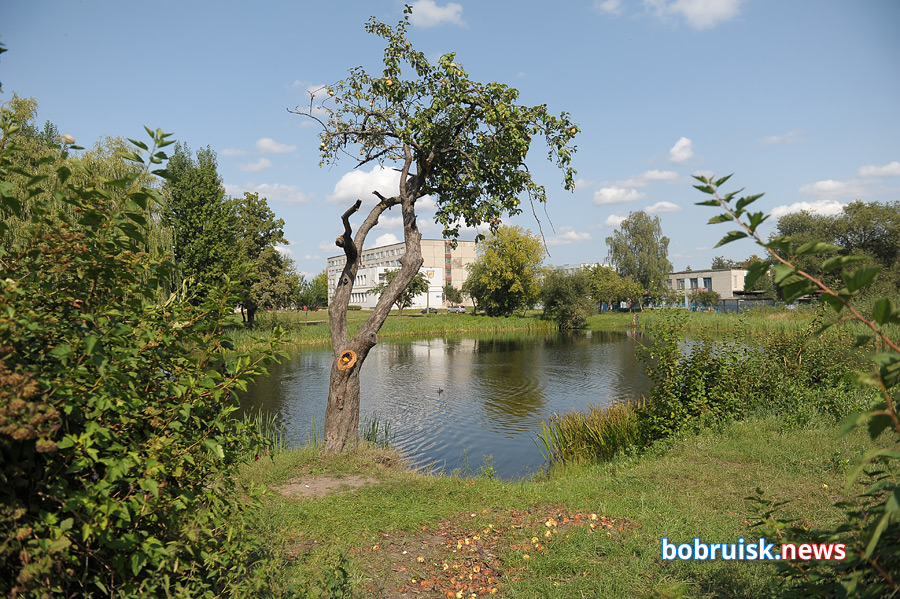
(211, 236)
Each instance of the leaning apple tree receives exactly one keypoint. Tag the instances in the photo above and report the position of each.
(459, 141)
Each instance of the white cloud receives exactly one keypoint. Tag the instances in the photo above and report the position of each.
(284, 250)
(682, 151)
(647, 177)
(830, 189)
(267, 145)
(785, 138)
(662, 207)
(584, 183)
(232, 152)
(612, 7)
(360, 185)
(888, 170)
(329, 246)
(613, 220)
(386, 239)
(566, 236)
(426, 13)
(822, 207)
(616, 195)
(699, 14)
(312, 257)
(253, 167)
(274, 192)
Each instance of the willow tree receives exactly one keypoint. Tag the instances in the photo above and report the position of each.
(459, 141)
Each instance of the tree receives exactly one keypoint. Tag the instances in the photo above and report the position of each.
(417, 286)
(268, 279)
(704, 297)
(505, 275)
(566, 298)
(318, 290)
(204, 224)
(606, 284)
(638, 249)
(460, 141)
(452, 294)
(119, 448)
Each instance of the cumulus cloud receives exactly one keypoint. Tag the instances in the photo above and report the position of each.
(274, 192)
(784, 138)
(821, 207)
(682, 151)
(616, 195)
(699, 14)
(611, 7)
(888, 170)
(253, 167)
(426, 13)
(830, 189)
(267, 145)
(360, 185)
(614, 220)
(386, 239)
(662, 207)
(648, 177)
(566, 236)
(328, 246)
(232, 152)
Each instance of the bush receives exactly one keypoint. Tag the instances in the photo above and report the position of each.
(117, 441)
(354, 307)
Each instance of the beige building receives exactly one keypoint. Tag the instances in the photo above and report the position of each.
(442, 264)
(726, 282)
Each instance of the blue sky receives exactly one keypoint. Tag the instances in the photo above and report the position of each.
(800, 99)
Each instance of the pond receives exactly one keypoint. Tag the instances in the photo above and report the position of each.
(463, 402)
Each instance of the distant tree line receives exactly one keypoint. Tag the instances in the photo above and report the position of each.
(210, 236)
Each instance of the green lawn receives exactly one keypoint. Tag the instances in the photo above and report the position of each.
(690, 487)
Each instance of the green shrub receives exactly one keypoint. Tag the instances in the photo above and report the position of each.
(354, 307)
(117, 441)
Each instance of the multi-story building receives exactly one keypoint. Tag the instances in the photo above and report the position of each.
(442, 264)
(726, 282)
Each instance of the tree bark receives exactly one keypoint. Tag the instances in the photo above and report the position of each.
(342, 412)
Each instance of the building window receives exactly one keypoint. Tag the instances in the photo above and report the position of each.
(694, 283)
(669, 283)
(681, 283)
(707, 283)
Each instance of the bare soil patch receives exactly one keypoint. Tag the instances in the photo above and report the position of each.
(321, 485)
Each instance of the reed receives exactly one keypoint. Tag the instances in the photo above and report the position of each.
(376, 431)
(598, 434)
(268, 429)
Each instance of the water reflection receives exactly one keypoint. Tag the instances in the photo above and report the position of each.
(456, 399)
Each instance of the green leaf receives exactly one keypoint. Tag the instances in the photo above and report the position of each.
(61, 351)
(782, 243)
(755, 271)
(721, 181)
(859, 278)
(746, 201)
(89, 342)
(817, 247)
(782, 271)
(731, 236)
(888, 367)
(797, 289)
(835, 302)
(841, 261)
(706, 189)
(884, 312)
(139, 144)
(878, 423)
(715, 203)
(721, 218)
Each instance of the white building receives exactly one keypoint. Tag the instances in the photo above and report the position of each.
(726, 282)
(442, 264)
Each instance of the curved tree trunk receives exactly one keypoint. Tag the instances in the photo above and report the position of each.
(342, 413)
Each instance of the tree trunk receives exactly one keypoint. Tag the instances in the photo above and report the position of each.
(251, 317)
(342, 413)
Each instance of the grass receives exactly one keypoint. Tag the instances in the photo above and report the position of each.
(311, 328)
(601, 432)
(692, 486)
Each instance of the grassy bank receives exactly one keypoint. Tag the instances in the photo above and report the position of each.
(477, 532)
(311, 328)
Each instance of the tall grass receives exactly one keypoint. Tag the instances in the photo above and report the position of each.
(376, 431)
(600, 433)
(267, 427)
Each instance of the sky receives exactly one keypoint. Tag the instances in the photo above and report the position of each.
(799, 99)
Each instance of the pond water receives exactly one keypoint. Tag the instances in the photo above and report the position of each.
(453, 401)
